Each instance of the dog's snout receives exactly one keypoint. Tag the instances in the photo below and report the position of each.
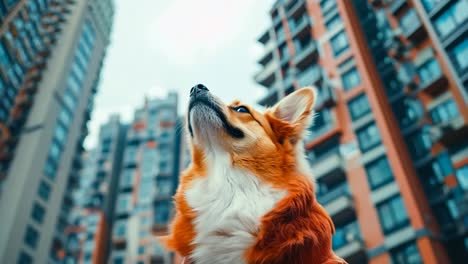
(198, 89)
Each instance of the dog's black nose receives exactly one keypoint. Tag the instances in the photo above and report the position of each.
(198, 89)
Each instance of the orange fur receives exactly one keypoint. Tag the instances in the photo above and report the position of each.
(297, 230)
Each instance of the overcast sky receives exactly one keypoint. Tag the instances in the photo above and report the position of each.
(166, 45)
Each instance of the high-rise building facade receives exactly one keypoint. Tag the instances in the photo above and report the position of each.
(88, 239)
(51, 54)
(389, 145)
(148, 180)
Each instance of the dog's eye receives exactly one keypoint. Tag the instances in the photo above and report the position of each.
(241, 109)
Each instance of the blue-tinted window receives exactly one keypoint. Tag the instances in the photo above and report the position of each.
(459, 54)
(444, 112)
(407, 254)
(24, 258)
(379, 172)
(44, 190)
(60, 134)
(38, 213)
(50, 168)
(462, 176)
(334, 22)
(351, 79)
(452, 18)
(429, 71)
(5, 59)
(368, 137)
(327, 6)
(409, 22)
(430, 4)
(161, 212)
(65, 117)
(419, 143)
(339, 43)
(118, 260)
(392, 214)
(31, 237)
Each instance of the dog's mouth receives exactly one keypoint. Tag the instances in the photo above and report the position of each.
(205, 102)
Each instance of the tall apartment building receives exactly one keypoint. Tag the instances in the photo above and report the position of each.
(148, 180)
(51, 54)
(389, 145)
(88, 236)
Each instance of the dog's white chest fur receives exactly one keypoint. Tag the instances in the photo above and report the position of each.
(229, 204)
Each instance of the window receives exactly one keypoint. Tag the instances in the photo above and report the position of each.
(38, 213)
(127, 178)
(407, 254)
(409, 22)
(31, 237)
(118, 260)
(430, 4)
(44, 190)
(60, 133)
(65, 117)
(429, 71)
(350, 79)
(368, 137)
(161, 212)
(452, 18)
(379, 173)
(392, 214)
(339, 43)
(459, 54)
(164, 187)
(419, 143)
(462, 176)
(333, 22)
(327, 5)
(444, 112)
(141, 250)
(24, 258)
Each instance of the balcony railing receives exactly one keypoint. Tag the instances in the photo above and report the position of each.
(346, 234)
(327, 165)
(304, 52)
(333, 194)
(411, 24)
(301, 24)
(266, 75)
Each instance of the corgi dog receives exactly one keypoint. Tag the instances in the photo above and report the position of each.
(247, 196)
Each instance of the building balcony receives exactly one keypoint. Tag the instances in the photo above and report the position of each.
(309, 76)
(338, 203)
(270, 98)
(329, 167)
(294, 7)
(347, 243)
(266, 76)
(300, 26)
(413, 31)
(435, 85)
(305, 55)
(329, 124)
(326, 96)
(119, 243)
(450, 132)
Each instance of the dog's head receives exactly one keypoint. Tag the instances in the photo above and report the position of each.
(253, 140)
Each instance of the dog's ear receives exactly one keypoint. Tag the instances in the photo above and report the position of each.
(291, 116)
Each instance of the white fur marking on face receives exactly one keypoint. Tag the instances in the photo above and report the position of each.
(229, 204)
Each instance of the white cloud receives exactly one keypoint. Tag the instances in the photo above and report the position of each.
(188, 31)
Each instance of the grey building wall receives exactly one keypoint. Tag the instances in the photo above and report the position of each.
(26, 175)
